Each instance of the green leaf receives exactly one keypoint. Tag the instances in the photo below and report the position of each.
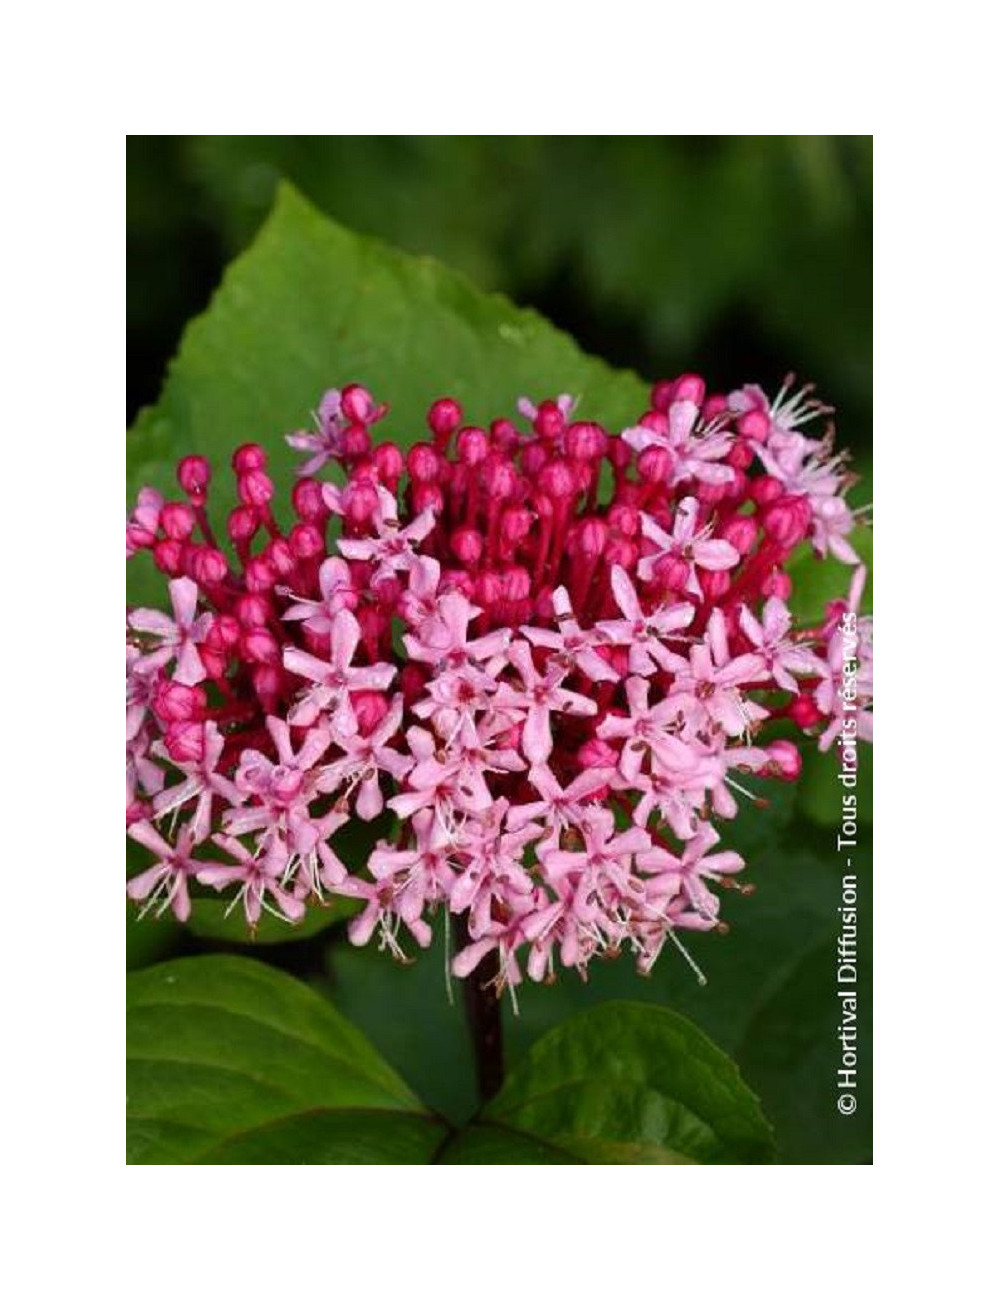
(231, 1061)
(622, 1083)
(311, 306)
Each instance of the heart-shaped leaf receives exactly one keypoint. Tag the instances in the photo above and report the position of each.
(621, 1083)
(233, 1062)
(311, 306)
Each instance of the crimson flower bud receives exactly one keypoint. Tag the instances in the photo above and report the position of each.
(370, 708)
(534, 458)
(307, 501)
(504, 436)
(458, 580)
(194, 475)
(786, 521)
(226, 629)
(672, 572)
(306, 542)
(208, 566)
(444, 417)
(740, 454)
(361, 502)
(428, 496)
(515, 583)
(688, 388)
(662, 395)
(176, 703)
(654, 464)
(558, 480)
(389, 463)
(710, 494)
(253, 610)
(467, 546)
(586, 441)
(499, 476)
(804, 712)
(355, 442)
(754, 425)
(177, 520)
(740, 532)
(280, 556)
(357, 404)
(258, 575)
(185, 741)
(248, 458)
(254, 488)
(550, 421)
(260, 647)
(472, 446)
(766, 489)
(489, 589)
(714, 406)
(656, 422)
(624, 519)
(422, 462)
(621, 551)
(590, 538)
(515, 525)
(619, 453)
(242, 524)
(168, 555)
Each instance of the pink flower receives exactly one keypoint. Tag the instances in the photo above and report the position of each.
(781, 657)
(695, 448)
(178, 636)
(709, 684)
(571, 645)
(337, 592)
(692, 869)
(643, 634)
(202, 782)
(334, 680)
(166, 881)
(257, 876)
(393, 547)
(695, 548)
(542, 695)
(364, 757)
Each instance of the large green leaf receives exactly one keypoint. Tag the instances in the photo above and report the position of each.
(231, 1061)
(311, 306)
(621, 1083)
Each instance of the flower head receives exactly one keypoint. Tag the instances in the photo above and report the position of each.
(546, 697)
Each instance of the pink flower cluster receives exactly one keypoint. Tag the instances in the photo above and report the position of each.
(545, 659)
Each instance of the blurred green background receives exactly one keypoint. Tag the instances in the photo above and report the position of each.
(740, 256)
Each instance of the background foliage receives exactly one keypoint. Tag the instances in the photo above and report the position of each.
(744, 256)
